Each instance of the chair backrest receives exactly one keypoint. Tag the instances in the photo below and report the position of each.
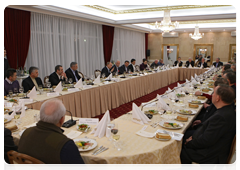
(19, 158)
(137, 67)
(81, 74)
(97, 73)
(46, 79)
(232, 150)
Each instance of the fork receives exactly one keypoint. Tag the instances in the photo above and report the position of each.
(99, 151)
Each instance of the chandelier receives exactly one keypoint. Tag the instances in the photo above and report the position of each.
(169, 50)
(196, 34)
(166, 25)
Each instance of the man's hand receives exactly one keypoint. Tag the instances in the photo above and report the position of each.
(198, 93)
(112, 69)
(196, 122)
(205, 105)
(64, 75)
(188, 140)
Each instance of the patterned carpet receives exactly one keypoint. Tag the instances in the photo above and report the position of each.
(115, 113)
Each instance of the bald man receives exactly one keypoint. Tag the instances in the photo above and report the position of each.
(115, 67)
(154, 64)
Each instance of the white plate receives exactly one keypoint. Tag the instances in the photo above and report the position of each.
(89, 127)
(8, 118)
(162, 139)
(85, 140)
(162, 122)
(193, 112)
(202, 102)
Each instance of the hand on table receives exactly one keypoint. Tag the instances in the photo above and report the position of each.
(198, 93)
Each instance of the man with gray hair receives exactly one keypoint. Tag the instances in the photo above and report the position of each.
(218, 63)
(154, 64)
(46, 141)
(178, 62)
(160, 63)
(32, 80)
(72, 72)
(190, 61)
(115, 67)
(202, 64)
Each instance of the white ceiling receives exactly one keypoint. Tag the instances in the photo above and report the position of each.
(141, 20)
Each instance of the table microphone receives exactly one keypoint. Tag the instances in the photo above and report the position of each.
(70, 122)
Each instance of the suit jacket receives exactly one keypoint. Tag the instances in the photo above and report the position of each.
(116, 69)
(187, 63)
(105, 71)
(180, 64)
(28, 83)
(142, 66)
(54, 79)
(130, 67)
(70, 74)
(212, 141)
(122, 69)
(6, 66)
(204, 64)
(219, 64)
(154, 65)
(8, 143)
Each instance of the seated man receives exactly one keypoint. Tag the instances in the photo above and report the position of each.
(211, 142)
(124, 67)
(218, 63)
(8, 143)
(178, 62)
(107, 70)
(233, 67)
(32, 80)
(231, 78)
(57, 76)
(10, 82)
(115, 67)
(46, 141)
(131, 66)
(154, 64)
(190, 61)
(160, 63)
(202, 64)
(72, 72)
(144, 65)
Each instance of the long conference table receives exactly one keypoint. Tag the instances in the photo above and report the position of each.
(96, 100)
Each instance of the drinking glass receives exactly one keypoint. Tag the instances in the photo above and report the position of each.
(116, 136)
(110, 126)
(103, 75)
(70, 80)
(63, 83)
(21, 90)
(15, 90)
(40, 89)
(10, 92)
(48, 84)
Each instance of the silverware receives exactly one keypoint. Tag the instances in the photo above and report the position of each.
(102, 151)
(97, 150)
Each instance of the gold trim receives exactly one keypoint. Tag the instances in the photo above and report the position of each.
(230, 51)
(139, 10)
(171, 45)
(194, 51)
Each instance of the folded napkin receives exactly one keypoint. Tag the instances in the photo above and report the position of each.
(161, 104)
(192, 78)
(149, 105)
(73, 134)
(138, 116)
(194, 82)
(13, 114)
(177, 65)
(97, 80)
(33, 93)
(195, 75)
(169, 90)
(22, 110)
(172, 95)
(179, 85)
(158, 69)
(58, 88)
(190, 66)
(145, 134)
(101, 129)
(187, 81)
(109, 77)
(79, 84)
(178, 90)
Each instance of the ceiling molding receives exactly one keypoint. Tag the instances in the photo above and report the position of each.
(140, 10)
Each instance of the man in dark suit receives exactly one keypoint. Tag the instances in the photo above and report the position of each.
(8, 143)
(202, 64)
(211, 142)
(107, 70)
(154, 64)
(231, 78)
(190, 61)
(218, 63)
(115, 67)
(32, 80)
(72, 72)
(124, 67)
(144, 65)
(179, 62)
(57, 76)
(160, 63)
(131, 66)
(6, 64)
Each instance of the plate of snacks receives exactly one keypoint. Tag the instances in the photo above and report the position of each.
(162, 136)
(85, 144)
(152, 112)
(171, 124)
(196, 101)
(181, 118)
(13, 100)
(180, 95)
(186, 112)
(193, 105)
(201, 97)
(83, 127)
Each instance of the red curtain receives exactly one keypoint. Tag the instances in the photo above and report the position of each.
(16, 36)
(108, 33)
(146, 43)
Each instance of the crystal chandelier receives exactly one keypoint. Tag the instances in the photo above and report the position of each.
(196, 34)
(166, 25)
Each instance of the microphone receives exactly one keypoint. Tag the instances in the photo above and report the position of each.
(70, 122)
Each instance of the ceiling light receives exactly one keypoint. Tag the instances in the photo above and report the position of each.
(196, 34)
(166, 25)
(210, 30)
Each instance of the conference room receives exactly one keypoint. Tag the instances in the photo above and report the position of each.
(120, 84)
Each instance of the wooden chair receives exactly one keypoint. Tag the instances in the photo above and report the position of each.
(97, 73)
(137, 67)
(196, 166)
(46, 79)
(81, 74)
(19, 158)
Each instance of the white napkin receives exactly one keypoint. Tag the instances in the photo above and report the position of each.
(187, 81)
(13, 114)
(23, 110)
(172, 95)
(161, 104)
(149, 105)
(97, 80)
(177, 65)
(58, 88)
(109, 77)
(190, 66)
(79, 84)
(138, 116)
(201, 66)
(179, 85)
(73, 134)
(169, 90)
(192, 78)
(101, 129)
(195, 75)
(158, 69)
(33, 93)
(194, 82)
(145, 134)
(179, 90)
